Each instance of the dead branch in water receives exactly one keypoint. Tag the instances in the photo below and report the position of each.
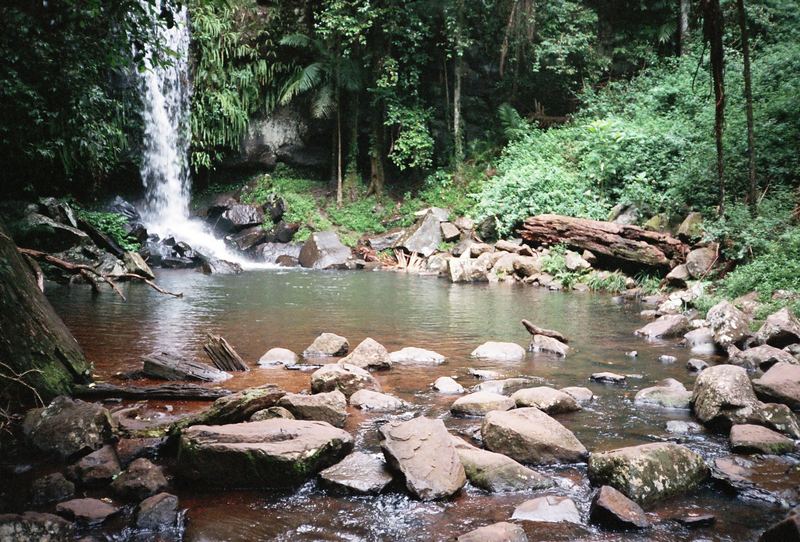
(409, 264)
(536, 330)
(91, 275)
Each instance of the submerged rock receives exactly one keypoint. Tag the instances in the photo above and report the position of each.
(608, 378)
(648, 472)
(495, 472)
(496, 532)
(479, 403)
(507, 386)
(755, 477)
(34, 526)
(158, 513)
(612, 509)
(668, 393)
(581, 395)
(545, 399)
(328, 407)
(531, 436)
(422, 450)
(343, 377)
(370, 355)
(373, 400)
(541, 343)
(268, 453)
(358, 473)
(499, 351)
(324, 250)
(98, 468)
(278, 356)
(755, 439)
(781, 384)
(786, 530)
(68, 427)
(549, 509)
(51, 488)
(327, 345)
(412, 354)
(669, 325)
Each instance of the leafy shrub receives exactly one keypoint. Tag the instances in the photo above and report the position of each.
(777, 268)
(113, 225)
(609, 282)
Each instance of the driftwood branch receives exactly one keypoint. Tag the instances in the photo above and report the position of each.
(222, 354)
(536, 330)
(174, 392)
(90, 274)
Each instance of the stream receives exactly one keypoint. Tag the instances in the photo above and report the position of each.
(258, 310)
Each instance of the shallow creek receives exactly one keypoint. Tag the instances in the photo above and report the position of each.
(256, 311)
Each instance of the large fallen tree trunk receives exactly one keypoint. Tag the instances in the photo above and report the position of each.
(173, 367)
(626, 246)
(168, 392)
(39, 357)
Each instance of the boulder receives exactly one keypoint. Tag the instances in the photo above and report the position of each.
(504, 265)
(691, 229)
(248, 238)
(541, 343)
(370, 355)
(723, 397)
(680, 427)
(648, 472)
(549, 509)
(612, 509)
(42, 233)
(496, 532)
(236, 407)
(411, 354)
(86, 511)
(581, 395)
(528, 435)
(668, 393)
(779, 418)
(272, 252)
(328, 407)
(665, 358)
(700, 260)
(449, 231)
(267, 453)
(98, 468)
(423, 238)
(375, 401)
(755, 439)
(270, 413)
(780, 329)
(507, 386)
(278, 356)
(545, 399)
(464, 223)
(387, 240)
(696, 365)
(499, 351)
(755, 477)
(606, 377)
(423, 451)
(678, 276)
(327, 345)
(68, 427)
(575, 262)
(479, 403)
(701, 340)
(34, 526)
(728, 324)
(324, 250)
(238, 217)
(786, 530)
(780, 384)
(467, 270)
(495, 472)
(158, 513)
(527, 266)
(140, 480)
(759, 358)
(439, 213)
(135, 264)
(446, 384)
(348, 379)
(358, 473)
(51, 488)
(129, 449)
(669, 325)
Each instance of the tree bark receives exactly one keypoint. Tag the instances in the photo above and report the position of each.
(222, 354)
(37, 351)
(748, 101)
(684, 8)
(712, 33)
(163, 365)
(458, 137)
(169, 392)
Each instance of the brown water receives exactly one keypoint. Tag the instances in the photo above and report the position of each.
(260, 310)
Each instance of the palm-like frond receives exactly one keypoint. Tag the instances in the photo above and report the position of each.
(299, 41)
(304, 80)
(324, 102)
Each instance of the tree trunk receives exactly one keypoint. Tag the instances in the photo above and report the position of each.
(458, 137)
(748, 101)
(37, 351)
(712, 33)
(339, 182)
(377, 171)
(683, 25)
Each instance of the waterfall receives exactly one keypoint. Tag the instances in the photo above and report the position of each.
(166, 93)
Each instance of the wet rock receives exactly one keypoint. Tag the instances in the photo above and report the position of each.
(484, 374)
(423, 451)
(507, 386)
(359, 473)
(668, 393)
(272, 252)
(50, 488)
(248, 238)
(370, 355)
(780, 418)
(42, 233)
(412, 354)
(387, 240)
(496, 472)
(267, 453)
(328, 407)
(701, 340)
(540, 343)
(129, 449)
(270, 413)
(86, 511)
(780, 329)
(135, 264)
(678, 276)
(755, 439)
(68, 427)
(664, 358)
(769, 478)
(496, 532)
(479, 403)
(728, 324)
(445, 384)
(528, 435)
(327, 345)
(781, 384)
(694, 521)
(34, 526)
(545, 399)
(278, 356)
(612, 509)
(700, 260)
(348, 379)
(216, 266)
(787, 530)
(237, 407)
(649, 472)
(499, 351)
(324, 250)
(379, 402)
(696, 365)
(238, 217)
(669, 325)
(723, 397)
(683, 428)
(608, 378)
(581, 395)
(158, 513)
(140, 480)
(424, 238)
(549, 509)
(467, 270)
(691, 229)
(759, 358)
(98, 468)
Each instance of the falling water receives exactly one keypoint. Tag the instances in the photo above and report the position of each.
(166, 92)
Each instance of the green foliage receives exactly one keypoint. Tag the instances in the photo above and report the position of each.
(648, 284)
(363, 215)
(605, 281)
(112, 224)
(413, 147)
(776, 268)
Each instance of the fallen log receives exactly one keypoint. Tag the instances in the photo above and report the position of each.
(171, 392)
(168, 366)
(222, 354)
(623, 245)
(536, 330)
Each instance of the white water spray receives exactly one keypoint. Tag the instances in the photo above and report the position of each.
(166, 93)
